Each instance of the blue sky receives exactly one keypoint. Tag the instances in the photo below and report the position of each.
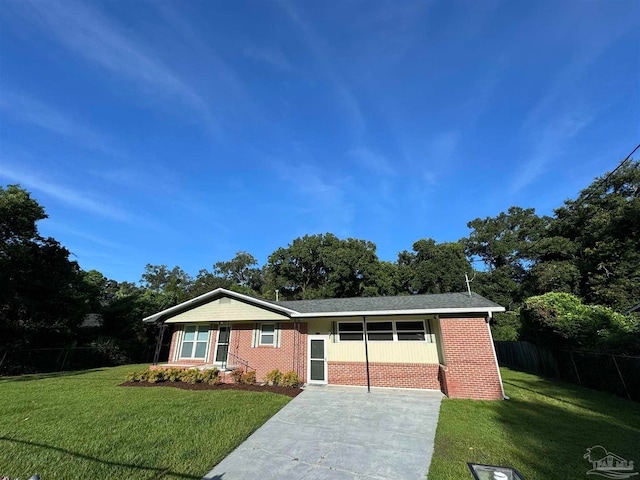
(178, 133)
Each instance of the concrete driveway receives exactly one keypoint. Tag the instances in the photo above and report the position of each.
(331, 432)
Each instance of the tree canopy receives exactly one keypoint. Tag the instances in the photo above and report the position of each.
(544, 269)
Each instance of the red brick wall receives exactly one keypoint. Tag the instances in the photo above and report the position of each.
(471, 370)
(265, 358)
(261, 358)
(397, 375)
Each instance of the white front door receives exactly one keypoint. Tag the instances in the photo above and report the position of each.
(317, 359)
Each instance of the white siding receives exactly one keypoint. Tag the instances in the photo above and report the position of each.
(227, 310)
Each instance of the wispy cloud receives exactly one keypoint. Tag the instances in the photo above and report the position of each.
(318, 49)
(228, 91)
(33, 112)
(549, 146)
(372, 161)
(70, 197)
(562, 113)
(87, 32)
(272, 56)
(94, 239)
(324, 194)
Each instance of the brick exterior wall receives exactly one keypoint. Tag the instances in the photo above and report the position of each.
(396, 375)
(265, 358)
(470, 370)
(262, 359)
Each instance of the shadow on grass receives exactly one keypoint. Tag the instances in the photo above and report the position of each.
(161, 472)
(40, 376)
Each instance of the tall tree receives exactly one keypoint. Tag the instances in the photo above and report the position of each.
(241, 271)
(604, 224)
(505, 244)
(173, 284)
(43, 297)
(323, 266)
(433, 267)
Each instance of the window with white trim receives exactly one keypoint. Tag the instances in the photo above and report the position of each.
(195, 340)
(386, 331)
(267, 334)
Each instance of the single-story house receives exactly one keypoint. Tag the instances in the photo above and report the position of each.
(440, 341)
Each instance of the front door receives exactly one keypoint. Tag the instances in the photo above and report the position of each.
(317, 359)
(222, 347)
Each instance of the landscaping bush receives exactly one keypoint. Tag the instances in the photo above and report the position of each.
(210, 376)
(191, 376)
(248, 378)
(141, 376)
(290, 379)
(174, 374)
(237, 375)
(155, 376)
(273, 377)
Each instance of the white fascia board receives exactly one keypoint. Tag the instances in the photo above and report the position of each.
(222, 292)
(424, 311)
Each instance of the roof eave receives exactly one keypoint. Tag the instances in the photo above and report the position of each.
(422, 311)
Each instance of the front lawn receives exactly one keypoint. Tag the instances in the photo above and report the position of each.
(543, 430)
(82, 425)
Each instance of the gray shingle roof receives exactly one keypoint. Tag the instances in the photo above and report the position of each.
(407, 302)
(442, 303)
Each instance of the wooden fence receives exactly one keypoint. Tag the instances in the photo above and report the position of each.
(618, 374)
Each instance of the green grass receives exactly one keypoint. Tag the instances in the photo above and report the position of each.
(543, 430)
(82, 425)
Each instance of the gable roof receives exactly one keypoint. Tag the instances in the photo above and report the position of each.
(442, 303)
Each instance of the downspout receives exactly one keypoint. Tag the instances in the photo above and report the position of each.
(495, 357)
(366, 353)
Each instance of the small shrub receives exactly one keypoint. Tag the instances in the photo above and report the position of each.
(248, 378)
(173, 374)
(155, 376)
(237, 375)
(191, 376)
(210, 376)
(290, 379)
(273, 377)
(143, 376)
(132, 377)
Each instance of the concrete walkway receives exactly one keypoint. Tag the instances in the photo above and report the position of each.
(330, 432)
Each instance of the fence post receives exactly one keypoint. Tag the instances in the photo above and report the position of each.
(64, 360)
(575, 367)
(621, 377)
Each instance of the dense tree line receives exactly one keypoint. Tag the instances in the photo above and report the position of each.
(589, 249)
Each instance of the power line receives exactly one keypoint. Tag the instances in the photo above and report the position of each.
(581, 200)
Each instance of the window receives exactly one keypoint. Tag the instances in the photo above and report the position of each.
(350, 331)
(194, 341)
(411, 331)
(380, 331)
(267, 334)
(388, 331)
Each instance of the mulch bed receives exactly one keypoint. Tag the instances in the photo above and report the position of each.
(288, 391)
